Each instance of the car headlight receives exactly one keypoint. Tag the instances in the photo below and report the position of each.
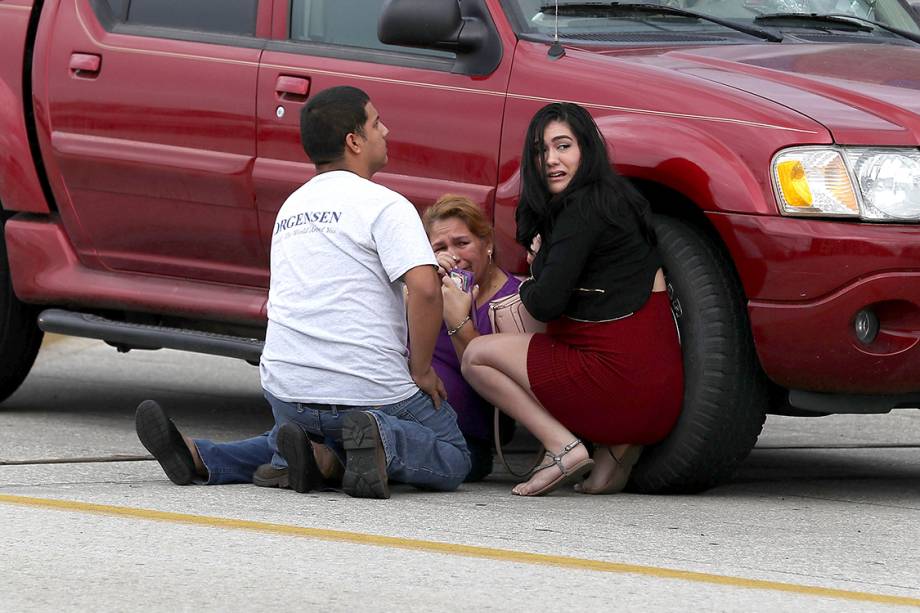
(889, 182)
(875, 184)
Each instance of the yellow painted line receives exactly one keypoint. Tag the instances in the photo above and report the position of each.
(470, 551)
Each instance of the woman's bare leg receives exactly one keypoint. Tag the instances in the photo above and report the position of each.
(604, 467)
(496, 366)
(612, 466)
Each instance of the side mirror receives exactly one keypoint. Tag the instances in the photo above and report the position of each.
(420, 23)
(467, 31)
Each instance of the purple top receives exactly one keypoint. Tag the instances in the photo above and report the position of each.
(474, 414)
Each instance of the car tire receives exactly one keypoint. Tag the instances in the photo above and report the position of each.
(725, 390)
(20, 336)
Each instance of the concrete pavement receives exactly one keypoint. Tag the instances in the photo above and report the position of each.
(823, 516)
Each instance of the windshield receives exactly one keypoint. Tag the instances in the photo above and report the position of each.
(728, 20)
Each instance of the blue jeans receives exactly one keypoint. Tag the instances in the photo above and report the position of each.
(423, 445)
(236, 461)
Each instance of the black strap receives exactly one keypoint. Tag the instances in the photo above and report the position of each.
(501, 456)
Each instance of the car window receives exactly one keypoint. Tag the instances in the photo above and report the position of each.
(218, 16)
(352, 23)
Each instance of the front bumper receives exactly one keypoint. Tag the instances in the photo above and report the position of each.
(807, 280)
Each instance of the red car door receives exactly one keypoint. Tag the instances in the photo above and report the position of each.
(445, 125)
(149, 133)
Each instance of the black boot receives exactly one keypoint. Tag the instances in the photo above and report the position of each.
(365, 461)
(161, 438)
(294, 446)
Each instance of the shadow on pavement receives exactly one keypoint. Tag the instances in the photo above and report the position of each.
(878, 473)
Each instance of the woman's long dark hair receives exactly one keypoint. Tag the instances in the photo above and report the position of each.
(595, 182)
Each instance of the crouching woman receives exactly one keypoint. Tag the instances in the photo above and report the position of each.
(609, 365)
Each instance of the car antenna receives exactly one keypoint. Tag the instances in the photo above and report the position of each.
(556, 50)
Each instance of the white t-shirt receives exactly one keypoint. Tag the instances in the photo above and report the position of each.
(337, 331)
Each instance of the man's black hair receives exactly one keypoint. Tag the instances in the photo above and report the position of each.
(328, 118)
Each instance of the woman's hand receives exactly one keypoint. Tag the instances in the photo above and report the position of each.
(457, 303)
(535, 245)
(445, 263)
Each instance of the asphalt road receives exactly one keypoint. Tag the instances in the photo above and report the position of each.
(824, 516)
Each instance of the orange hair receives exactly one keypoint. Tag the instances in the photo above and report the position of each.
(461, 207)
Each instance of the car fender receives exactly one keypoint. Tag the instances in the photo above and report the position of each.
(20, 188)
(698, 160)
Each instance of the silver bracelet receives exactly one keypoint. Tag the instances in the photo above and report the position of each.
(455, 329)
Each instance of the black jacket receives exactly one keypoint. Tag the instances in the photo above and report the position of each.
(589, 269)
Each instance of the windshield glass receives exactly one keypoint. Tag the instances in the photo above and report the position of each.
(615, 22)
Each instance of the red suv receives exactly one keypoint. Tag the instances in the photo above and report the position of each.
(148, 144)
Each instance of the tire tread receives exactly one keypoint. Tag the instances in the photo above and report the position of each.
(725, 389)
(20, 336)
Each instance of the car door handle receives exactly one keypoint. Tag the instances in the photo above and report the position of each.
(85, 65)
(294, 89)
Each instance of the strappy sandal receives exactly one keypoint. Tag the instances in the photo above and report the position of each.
(566, 475)
(620, 475)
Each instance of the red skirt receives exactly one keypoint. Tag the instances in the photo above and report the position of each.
(613, 382)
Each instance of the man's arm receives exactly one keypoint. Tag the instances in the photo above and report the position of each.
(424, 305)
